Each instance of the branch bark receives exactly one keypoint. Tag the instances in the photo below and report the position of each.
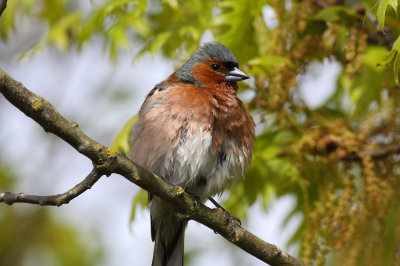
(53, 200)
(108, 161)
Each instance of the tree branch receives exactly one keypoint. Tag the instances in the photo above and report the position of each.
(374, 154)
(110, 161)
(53, 200)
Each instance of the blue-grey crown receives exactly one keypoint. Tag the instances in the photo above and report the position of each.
(209, 50)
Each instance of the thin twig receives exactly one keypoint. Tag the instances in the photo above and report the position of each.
(53, 200)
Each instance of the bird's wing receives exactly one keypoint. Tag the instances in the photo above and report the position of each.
(155, 134)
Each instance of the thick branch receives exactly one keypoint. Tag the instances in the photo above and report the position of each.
(53, 200)
(45, 114)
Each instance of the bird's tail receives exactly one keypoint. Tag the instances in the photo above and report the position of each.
(170, 253)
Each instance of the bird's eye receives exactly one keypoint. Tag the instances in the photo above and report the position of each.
(215, 66)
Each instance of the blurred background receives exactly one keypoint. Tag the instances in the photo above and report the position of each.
(324, 179)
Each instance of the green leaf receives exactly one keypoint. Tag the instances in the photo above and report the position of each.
(263, 64)
(7, 19)
(373, 55)
(60, 33)
(392, 55)
(140, 200)
(154, 45)
(367, 88)
(235, 24)
(118, 40)
(172, 3)
(336, 14)
(121, 140)
(388, 58)
(269, 173)
(383, 4)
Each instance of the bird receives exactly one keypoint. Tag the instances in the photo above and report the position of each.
(194, 132)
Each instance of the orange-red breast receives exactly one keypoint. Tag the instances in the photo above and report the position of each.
(194, 132)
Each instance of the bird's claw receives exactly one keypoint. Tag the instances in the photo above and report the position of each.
(232, 220)
(196, 200)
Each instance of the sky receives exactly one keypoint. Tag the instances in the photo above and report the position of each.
(101, 96)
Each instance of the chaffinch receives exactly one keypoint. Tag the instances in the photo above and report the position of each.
(194, 132)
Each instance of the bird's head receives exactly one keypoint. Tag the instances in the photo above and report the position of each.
(211, 64)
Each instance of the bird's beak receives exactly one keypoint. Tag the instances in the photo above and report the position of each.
(236, 75)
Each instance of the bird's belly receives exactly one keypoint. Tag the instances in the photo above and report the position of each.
(203, 169)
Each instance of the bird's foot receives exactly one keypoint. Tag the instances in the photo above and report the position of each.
(196, 200)
(232, 220)
(226, 213)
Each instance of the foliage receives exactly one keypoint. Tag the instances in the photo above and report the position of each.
(382, 6)
(121, 140)
(339, 160)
